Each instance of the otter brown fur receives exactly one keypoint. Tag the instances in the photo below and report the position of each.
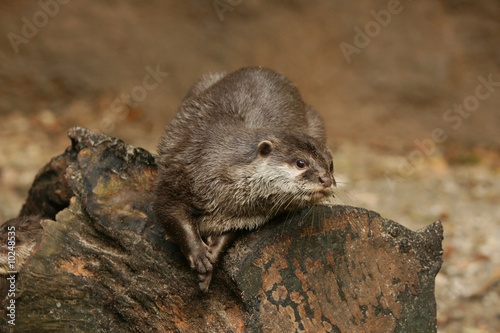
(241, 148)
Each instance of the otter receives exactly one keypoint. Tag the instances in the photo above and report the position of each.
(19, 236)
(242, 148)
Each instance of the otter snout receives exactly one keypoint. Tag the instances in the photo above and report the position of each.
(327, 181)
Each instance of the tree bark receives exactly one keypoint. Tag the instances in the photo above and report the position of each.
(103, 265)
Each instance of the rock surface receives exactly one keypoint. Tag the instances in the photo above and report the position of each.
(103, 263)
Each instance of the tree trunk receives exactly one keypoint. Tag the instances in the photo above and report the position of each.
(103, 264)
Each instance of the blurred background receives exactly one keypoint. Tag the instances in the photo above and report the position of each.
(409, 91)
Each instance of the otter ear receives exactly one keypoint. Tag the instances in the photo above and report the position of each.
(265, 148)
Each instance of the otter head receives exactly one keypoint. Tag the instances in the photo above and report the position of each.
(298, 169)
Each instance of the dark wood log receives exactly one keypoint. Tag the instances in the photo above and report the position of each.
(103, 265)
(50, 192)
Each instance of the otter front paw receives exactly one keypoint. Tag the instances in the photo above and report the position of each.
(200, 259)
(205, 280)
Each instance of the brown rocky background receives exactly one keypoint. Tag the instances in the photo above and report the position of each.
(391, 107)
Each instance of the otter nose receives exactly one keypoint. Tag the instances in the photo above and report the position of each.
(326, 181)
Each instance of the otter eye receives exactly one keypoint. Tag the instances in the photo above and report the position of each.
(331, 167)
(301, 164)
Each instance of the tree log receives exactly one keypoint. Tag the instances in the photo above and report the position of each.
(102, 264)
